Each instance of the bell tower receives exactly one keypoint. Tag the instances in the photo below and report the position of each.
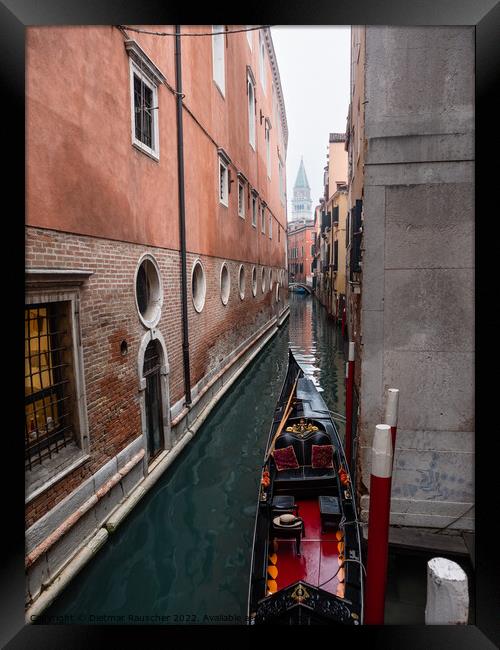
(301, 202)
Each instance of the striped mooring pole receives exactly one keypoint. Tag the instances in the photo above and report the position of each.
(378, 525)
(391, 415)
(349, 402)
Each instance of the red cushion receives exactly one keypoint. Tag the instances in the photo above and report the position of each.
(285, 458)
(322, 456)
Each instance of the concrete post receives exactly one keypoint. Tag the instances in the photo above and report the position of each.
(447, 593)
(349, 402)
(378, 525)
(391, 415)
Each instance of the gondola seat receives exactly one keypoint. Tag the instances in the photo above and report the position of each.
(305, 475)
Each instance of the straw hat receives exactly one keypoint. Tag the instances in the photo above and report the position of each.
(287, 520)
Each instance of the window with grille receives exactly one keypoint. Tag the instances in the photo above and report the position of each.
(49, 381)
(143, 110)
(144, 106)
(145, 78)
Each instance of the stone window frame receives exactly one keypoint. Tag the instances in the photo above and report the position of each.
(63, 285)
(263, 279)
(225, 266)
(140, 65)
(263, 218)
(241, 284)
(270, 279)
(255, 207)
(223, 181)
(199, 304)
(254, 281)
(152, 322)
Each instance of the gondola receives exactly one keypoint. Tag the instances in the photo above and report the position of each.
(306, 563)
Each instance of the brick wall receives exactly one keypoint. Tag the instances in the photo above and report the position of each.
(108, 316)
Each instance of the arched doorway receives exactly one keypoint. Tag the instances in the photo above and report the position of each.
(153, 399)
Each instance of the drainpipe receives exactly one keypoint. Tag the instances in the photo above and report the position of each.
(182, 214)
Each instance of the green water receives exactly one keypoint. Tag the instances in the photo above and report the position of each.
(183, 555)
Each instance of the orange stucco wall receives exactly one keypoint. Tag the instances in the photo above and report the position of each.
(79, 131)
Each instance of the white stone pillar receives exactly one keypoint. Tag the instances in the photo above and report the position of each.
(447, 593)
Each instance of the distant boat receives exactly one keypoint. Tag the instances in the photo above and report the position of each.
(306, 559)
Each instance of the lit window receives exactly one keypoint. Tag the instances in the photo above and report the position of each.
(218, 45)
(48, 381)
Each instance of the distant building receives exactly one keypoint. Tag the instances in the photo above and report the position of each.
(410, 263)
(140, 306)
(331, 216)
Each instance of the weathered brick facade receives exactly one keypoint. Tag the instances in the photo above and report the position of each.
(108, 316)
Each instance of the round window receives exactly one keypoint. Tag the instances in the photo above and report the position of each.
(225, 284)
(254, 281)
(148, 291)
(198, 286)
(263, 279)
(241, 281)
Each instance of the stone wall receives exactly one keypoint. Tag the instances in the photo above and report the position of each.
(418, 267)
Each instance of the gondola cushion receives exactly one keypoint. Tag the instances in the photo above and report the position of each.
(322, 456)
(285, 458)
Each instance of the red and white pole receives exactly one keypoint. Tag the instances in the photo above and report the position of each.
(378, 525)
(349, 402)
(391, 415)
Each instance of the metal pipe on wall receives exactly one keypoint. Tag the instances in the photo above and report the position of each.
(182, 215)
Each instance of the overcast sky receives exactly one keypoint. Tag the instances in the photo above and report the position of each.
(314, 67)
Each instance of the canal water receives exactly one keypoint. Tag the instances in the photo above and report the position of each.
(184, 553)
